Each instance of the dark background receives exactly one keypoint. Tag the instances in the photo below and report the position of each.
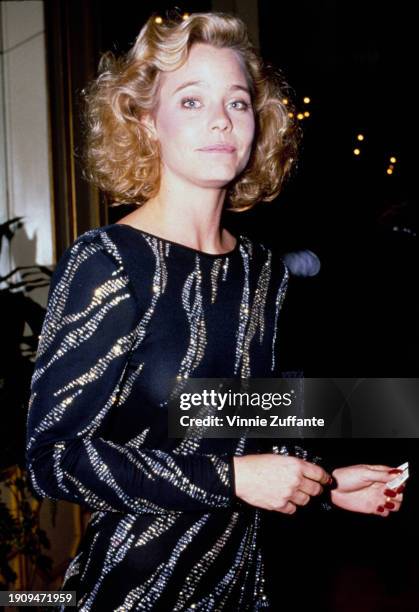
(358, 317)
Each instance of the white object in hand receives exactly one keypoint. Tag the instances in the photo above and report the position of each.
(400, 478)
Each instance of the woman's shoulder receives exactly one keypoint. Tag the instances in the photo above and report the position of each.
(111, 243)
(104, 254)
(86, 255)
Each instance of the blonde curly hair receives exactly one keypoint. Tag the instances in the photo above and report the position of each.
(120, 155)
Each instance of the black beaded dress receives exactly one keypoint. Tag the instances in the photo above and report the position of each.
(128, 312)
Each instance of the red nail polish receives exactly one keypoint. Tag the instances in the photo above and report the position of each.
(332, 483)
(389, 505)
(390, 492)
(400, 489)
(380, 509)
(395, 471)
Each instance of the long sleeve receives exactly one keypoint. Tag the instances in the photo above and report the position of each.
(92, 321)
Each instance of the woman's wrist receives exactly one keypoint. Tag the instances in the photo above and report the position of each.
(327, 495)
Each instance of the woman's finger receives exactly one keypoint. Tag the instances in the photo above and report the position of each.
(378, 475)
(300, 498)
(310, 487)
(388, 493)
(289, 508)
(382, 511)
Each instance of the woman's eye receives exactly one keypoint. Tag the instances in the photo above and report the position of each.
(244, 105)
(189, 100)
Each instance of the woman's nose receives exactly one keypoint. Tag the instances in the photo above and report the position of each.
(220, 119)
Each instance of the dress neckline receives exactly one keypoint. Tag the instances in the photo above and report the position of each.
(183, 246)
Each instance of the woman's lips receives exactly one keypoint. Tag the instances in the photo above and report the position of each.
(218, 149)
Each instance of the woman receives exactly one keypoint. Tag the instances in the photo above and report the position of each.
(186, 120)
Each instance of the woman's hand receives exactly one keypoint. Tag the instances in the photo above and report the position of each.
(363, 488)
(276, 482)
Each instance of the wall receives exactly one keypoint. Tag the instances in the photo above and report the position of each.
(25, 190)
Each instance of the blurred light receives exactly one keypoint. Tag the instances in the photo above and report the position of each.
(158, 20)
(389, 171)
(360, 136)
(291, 115)
(185, 16)
(300, 116)
(393, 160)
(285, 101)
(306, 100)
(306, 114)
(357, 151)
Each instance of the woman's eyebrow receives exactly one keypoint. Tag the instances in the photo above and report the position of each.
(189, 83)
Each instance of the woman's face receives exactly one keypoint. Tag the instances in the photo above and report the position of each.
(215, 110)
